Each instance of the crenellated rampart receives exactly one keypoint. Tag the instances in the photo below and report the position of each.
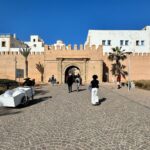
(71, 54)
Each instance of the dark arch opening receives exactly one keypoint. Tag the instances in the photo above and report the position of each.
(105, 73)
(73, 70)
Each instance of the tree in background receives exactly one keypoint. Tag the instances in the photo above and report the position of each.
(25, 53)
(40, 68)
(118, 70)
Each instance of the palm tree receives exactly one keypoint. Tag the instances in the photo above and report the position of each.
(40, 68)
(25, 52)
(117, 55)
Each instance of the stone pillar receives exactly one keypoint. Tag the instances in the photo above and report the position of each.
(101, 71)
(85, 70)
(60, 70)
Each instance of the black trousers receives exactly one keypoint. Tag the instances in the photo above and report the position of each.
(69, 88)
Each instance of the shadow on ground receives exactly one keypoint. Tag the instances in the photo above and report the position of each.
(8, 111)
(39, 100)
(41, 92)
(80, 90)
(102, 100)
(35, 101)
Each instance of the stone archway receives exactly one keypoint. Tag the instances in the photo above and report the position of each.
(74, 70)
(65, 64)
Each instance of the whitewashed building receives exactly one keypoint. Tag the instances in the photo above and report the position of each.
(59, 44)
(10, 43)
(130, 40)
(36, 44)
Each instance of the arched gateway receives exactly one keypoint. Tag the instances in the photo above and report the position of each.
(73, 70)
(86, 62)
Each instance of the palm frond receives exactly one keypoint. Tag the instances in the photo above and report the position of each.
(40, 68)
(25, 51)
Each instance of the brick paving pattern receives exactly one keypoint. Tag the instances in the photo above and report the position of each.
(58, 120)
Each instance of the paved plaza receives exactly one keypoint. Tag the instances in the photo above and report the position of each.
(58, 120)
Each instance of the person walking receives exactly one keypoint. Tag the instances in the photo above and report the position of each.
(118, 81)
(70, 80)
(53, 80)
(94, 90)
(77, 81)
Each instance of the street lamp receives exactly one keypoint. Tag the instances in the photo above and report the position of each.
(15, 59)
(129, 83)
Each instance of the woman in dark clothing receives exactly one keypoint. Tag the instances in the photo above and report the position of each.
(70, 80)
(94, 90)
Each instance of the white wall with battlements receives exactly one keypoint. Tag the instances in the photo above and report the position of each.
(130, 40)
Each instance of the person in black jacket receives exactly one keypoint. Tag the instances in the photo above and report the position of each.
(94, 90)
(70, 81)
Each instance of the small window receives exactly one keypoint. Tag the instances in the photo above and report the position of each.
(142, 43)
(103, 42)
(34, 45)
(121, 42)
(109, 42)
(137, 43)
(33, 40)
(3, 44)
(126, 42)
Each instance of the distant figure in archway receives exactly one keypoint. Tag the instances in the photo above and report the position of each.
(70, 80)
(77, 81)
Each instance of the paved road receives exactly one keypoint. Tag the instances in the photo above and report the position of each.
(58, 120)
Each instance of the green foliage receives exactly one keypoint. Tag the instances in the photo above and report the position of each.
(143, 84)
(117, 55)
(25, 51)
(6, 83)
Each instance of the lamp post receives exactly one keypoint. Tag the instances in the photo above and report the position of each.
(15, 59)
(129, 83)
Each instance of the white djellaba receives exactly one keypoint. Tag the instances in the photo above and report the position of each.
(94, 96)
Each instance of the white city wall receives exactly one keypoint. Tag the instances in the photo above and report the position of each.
(95, 37)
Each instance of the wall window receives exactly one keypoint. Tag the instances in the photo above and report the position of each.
(126, 42)
(103, 42)
(3, 44)
(121, 42)
(33, 40)
(106, 42)
(109, 42)
(142, 43)
(137, 43)
(34, 45)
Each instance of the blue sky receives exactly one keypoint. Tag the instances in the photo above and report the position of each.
(70, 20)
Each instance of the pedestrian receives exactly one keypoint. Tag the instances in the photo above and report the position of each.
(94, 90)
(77, 81)
(53, 80)
(118, 81)
(70, 80)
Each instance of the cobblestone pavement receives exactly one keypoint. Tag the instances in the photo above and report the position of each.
(58, 120)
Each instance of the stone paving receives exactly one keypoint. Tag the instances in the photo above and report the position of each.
(58, 120)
